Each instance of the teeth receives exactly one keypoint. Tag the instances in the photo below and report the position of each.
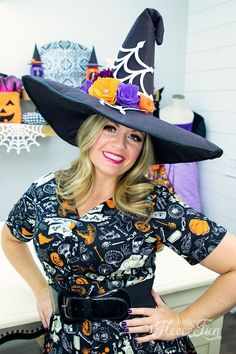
(113, 157)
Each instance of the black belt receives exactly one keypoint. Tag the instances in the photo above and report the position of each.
(112, 305)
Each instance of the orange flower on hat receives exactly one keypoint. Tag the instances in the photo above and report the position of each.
(146, 104)
(105, 89)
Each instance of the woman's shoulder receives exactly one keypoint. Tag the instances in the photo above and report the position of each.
(46, 183)
(49, 178)
(159, 191)
(162, 197)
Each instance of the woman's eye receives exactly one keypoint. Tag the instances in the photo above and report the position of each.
(109, 128)
(137, 138)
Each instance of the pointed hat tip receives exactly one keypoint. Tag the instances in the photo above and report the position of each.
(93, 59)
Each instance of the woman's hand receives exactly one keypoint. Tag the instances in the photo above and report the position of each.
(44, 305)
(159, 323)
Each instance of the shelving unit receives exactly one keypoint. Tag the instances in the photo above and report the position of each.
(46, 129)
(28, 106)
(20, 137)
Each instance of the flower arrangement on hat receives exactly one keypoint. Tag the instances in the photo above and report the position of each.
(111, 90)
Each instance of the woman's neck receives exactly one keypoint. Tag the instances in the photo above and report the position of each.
(103, 185)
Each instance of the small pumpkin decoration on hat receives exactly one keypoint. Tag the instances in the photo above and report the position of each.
(10, 110)
(199, 227)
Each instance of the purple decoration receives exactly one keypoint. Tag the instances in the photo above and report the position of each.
(103, 73)
(37, 70)
(86, 86)
(2, 84)
(184, 178)
(10, 83)
(127, 95)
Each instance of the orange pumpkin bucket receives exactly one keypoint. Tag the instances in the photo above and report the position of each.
(10, 110)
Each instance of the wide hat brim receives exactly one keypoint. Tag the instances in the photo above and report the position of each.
(65, 108)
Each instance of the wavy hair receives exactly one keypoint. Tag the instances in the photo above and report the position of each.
(131, 189)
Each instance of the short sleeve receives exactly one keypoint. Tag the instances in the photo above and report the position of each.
(186, 231)
(21, 219)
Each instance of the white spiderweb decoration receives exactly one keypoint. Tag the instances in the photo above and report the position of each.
(131, 74)
(19, 136)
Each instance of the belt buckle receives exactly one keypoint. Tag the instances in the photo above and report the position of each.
(74, 308)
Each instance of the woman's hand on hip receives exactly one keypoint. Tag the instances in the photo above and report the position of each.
(158, 323)
(44, 305)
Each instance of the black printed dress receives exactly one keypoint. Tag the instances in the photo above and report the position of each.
(103, 250)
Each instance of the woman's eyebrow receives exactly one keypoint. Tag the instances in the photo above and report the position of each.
(138, 131)
(133, 130)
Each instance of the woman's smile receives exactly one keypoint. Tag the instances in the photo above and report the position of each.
(114, 158)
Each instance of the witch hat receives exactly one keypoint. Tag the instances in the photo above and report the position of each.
(92, 66)
(135, 60)
(36, 59)
(93, 59)
(124, 97)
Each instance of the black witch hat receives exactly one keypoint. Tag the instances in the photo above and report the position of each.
(93, 59)
(122, 95)
(36, 59)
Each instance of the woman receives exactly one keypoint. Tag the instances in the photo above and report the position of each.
(96, 226)
(101, 193)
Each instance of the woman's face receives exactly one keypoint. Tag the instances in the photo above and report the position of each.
(116, 149)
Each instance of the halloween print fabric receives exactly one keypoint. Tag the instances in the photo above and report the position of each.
(103, 250)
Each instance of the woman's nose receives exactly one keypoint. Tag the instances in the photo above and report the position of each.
(119, 141)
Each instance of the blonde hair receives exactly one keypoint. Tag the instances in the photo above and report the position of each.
(131, 189)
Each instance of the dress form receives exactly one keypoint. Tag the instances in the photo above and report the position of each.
(183, 176)
(177, 112)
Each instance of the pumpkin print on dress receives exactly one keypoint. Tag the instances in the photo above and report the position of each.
(87, 327)
(199, 227)
(89, 235)
(26, 233)
(56, 259)
(141, 226)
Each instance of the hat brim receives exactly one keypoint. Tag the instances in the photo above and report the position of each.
(65, 108)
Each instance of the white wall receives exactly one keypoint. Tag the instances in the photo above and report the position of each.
(102, 23)
(210, 89)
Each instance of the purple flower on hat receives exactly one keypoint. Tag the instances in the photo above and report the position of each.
(127, 95)
(86, 86)
(103, 73)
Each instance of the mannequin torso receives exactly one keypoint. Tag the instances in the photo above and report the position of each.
(177, 112)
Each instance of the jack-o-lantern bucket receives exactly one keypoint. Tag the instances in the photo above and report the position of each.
(10, 110)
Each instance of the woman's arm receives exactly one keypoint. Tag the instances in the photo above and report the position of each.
(21, 258)
(220, 297)
(165, 324)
